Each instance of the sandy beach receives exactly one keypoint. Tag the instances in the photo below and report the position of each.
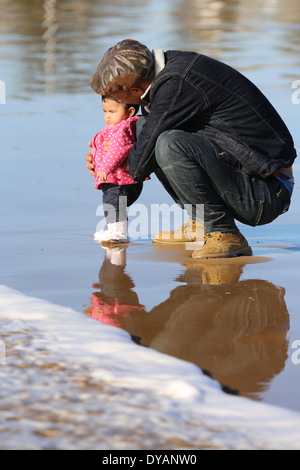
(138, 347)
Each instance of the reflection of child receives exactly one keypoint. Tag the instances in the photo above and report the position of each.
(115, 298)
(111, 148)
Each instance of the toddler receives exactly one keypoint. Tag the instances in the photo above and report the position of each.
(111, 148)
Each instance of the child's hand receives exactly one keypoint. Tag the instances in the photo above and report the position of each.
(101, 176)
(106, 144)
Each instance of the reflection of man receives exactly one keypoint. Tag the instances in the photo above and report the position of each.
(236, 331)
(210, 135)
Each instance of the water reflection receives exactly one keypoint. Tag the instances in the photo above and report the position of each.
(220, 25)
(51, 26)
(115, 299)
(234, 330)
(55, 45)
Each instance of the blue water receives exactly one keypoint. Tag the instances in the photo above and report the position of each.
(49, 50)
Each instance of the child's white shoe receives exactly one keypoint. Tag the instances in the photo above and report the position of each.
(101, 235)
(116, 233)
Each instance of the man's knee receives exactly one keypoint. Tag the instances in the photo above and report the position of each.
(166, 147)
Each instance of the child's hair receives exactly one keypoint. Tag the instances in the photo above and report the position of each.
(127, 106)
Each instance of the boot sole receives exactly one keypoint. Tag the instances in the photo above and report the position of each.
(247, 251)
(169, 242)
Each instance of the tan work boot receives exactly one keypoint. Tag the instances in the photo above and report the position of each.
(223, 245)
(189, 232)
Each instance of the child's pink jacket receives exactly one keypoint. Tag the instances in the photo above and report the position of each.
(111, 311)
(121, 137)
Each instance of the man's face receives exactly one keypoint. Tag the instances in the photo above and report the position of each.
(132, 96)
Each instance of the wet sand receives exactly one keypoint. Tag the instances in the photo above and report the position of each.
(164, 253)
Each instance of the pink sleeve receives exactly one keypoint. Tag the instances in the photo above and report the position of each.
(121, 142)
(97, 140)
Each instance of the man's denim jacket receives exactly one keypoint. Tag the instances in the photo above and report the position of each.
(198, 94)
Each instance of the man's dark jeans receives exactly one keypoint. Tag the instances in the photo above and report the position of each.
(193, 173)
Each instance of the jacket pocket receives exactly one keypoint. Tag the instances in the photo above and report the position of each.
(252, 161)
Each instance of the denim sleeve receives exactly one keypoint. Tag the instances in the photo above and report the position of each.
(174, 104)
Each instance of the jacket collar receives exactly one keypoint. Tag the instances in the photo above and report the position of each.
(159, 63)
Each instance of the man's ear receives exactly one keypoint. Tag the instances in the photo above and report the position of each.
(136, 91)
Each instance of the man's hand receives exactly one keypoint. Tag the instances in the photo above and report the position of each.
(125, 165)
(89, 161)
(101, 176)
